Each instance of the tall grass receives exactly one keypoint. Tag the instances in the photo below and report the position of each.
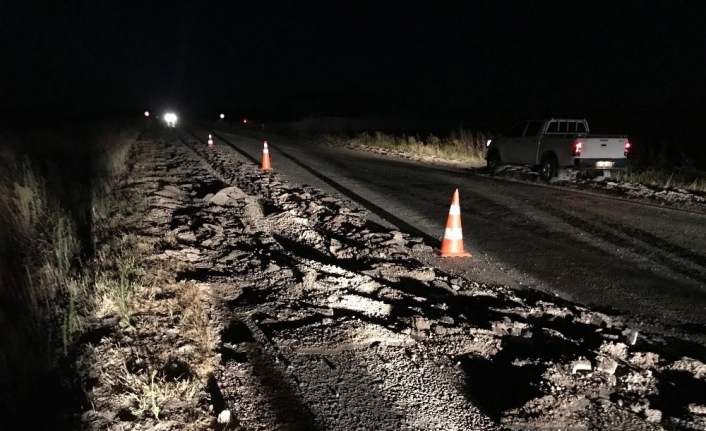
(51, 185)
(675, 161)
(463, 145)
(684, 179)
(656, 165)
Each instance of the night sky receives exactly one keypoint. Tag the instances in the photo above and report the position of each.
(350, 58)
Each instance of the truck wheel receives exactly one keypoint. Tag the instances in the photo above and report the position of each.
(548, 168)
(493, 162)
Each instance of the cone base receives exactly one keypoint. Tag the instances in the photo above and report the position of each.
(265, 169)
(455, 254)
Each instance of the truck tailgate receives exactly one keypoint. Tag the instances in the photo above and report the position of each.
(603, 148)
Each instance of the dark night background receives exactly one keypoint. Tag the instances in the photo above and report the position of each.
(620, 64)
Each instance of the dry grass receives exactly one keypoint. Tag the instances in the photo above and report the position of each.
(145, 392)
(462, 145)
(117, 282)
(155, 314)
(150, 304)
(194, 316)
(690, 180)
(45, 244)
(61, 291)
(45, 178)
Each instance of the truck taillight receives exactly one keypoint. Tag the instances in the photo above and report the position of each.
(577, 148)
(628, 145)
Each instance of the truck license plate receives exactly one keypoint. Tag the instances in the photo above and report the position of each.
(605, 164)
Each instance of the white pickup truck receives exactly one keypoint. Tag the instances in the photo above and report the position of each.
(557, 144)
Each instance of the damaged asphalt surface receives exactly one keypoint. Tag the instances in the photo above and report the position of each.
(596, 250)
(323, 320)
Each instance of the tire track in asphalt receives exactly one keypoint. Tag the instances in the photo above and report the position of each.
(677, 259)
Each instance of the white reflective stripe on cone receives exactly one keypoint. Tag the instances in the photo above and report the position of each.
(265, 151)
(455, 210)
(453, 233)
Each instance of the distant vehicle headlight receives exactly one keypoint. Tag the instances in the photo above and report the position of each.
(487, 144)
(171, 119)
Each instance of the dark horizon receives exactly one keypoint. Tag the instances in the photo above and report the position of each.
(393, 60)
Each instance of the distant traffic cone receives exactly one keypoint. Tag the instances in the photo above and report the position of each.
(210, 140)
(452, 244)
(266, 166)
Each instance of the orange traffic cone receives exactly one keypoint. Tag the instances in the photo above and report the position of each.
(266, 166)
(210, 140)
(452, 244)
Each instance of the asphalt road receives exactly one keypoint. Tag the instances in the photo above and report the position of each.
(597, 251)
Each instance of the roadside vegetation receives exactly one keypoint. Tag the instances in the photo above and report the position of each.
(56, 188)
(141, 314)
(659, 164)
(654, 164)
(148, 349)
(675, 178)
(463, 145)
(86, 318)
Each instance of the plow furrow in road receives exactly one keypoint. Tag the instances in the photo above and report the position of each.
(595, 249)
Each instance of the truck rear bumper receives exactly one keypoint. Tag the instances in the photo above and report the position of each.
(600, 164)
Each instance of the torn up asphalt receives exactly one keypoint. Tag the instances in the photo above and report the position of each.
(326, 321)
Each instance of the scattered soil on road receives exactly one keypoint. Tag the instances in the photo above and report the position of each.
(270, 306)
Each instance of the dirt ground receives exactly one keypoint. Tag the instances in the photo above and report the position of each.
(270, 306)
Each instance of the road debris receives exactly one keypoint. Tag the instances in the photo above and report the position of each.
(295, 312)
